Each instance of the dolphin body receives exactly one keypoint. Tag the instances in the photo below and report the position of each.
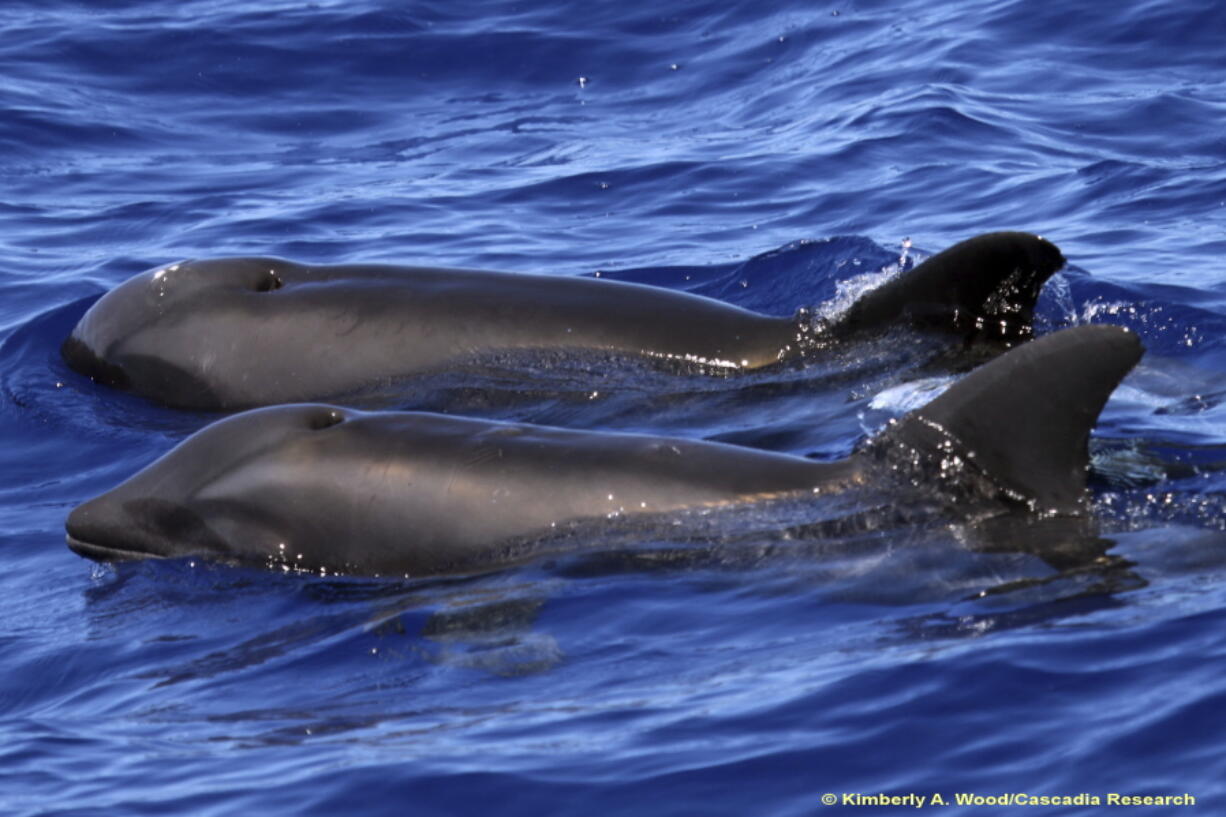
(327, 489)
(236, 333)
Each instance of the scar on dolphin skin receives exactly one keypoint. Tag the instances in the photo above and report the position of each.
(235, 333)
(320, 488)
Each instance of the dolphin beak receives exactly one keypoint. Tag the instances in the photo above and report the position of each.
(95, 531)
(80, 357)
(123, 525)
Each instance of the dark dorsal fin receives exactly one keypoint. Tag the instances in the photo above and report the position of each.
(984, 287)
(1023, 420)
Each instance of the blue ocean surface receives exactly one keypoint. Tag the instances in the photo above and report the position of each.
(772, 155)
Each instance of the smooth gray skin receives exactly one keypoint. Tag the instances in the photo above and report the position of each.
(318, 487)
(241, 332)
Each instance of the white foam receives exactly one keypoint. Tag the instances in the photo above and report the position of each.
(909, 396)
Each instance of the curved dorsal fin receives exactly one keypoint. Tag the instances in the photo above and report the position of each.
(985, 286)
(1024, 419)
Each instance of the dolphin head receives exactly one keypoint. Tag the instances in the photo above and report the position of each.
(253, 488)
(138, 337)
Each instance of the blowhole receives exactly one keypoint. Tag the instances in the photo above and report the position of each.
(269, 282)
(326, 419)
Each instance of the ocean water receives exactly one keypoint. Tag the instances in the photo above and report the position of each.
(773, 155)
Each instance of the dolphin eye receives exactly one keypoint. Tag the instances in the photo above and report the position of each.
(324, 419)
(269, 282)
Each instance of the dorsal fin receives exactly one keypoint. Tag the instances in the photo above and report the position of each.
(985, 287)
(1023, 420)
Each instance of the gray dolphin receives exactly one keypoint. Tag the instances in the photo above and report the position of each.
(322, 488)
(236, 333)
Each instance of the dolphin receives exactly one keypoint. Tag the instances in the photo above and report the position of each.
(327, 489)
(236, 333)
